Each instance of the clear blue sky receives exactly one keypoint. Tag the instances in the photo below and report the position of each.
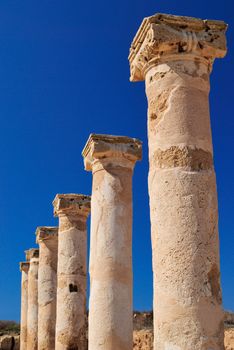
(63, 74)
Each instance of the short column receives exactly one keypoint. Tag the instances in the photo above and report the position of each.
(111, 160)
(47, 238)
(72, 210)
(24, 267)
(174, 55)
(32, 255)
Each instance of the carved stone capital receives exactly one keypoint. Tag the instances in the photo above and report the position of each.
(24, 266)
(164, 37)
(32, 253)
(72, 204)
(122, 150)
(46, 233)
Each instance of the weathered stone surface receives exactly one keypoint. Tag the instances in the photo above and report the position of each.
(143, 340)
(10, 342)
(163, 37)
(47, 238)
(32, 313)
(174, 55)
(111, 160)
(71, 204)
(72, 210)
(229, 339)
(16, 343)
(106, 147)
(32, 253)
(6, 342)
(24, 267)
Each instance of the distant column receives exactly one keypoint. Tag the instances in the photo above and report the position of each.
(72, 210)
(32, 256)
(111, 160)
(174, 55)
(24, 267)
(47, 238)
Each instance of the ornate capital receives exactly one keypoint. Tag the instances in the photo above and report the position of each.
(24, 266)
(46, 233)
(32, 253)
(162, 37)
(108, 147)
(72, 204)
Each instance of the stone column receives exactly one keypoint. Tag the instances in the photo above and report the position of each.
(72, 210)
(24, 267)
(112, 160)
(32, 255)
(47, 238)
(174, 56)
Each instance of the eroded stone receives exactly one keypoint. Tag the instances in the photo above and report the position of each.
(72, 210)
(163, 37)
(174, 55)
(47, 238)
(111, 160)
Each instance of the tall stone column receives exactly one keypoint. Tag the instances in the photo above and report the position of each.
(32, 255)
(24, 267)
(174, 56)
(111, 160)
(72, 210)
(47, 238)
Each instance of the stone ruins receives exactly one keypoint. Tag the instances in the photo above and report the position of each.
(174, 55)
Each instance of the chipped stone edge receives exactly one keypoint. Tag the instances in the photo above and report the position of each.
(173, 23)
(32, 253)
(24, 266)
(100, 146)
(71, 204)
(46, 233)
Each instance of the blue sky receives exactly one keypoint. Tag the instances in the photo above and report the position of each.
(63, 74)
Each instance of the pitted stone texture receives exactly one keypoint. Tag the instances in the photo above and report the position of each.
(9, 342)
(47, 238)
(32, 314)
(32, 253)
(163, 37)
(174, 55)
(110, 305)
(101, 150)
(24, 267)
(73, 211)
(71, 204)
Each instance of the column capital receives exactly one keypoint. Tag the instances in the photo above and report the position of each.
(105, 147)
(45, 233)
(72, 204)
(32, 253)
(163, 37)
(24, 266)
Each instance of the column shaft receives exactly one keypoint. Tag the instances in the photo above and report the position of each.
(72, 266)
(110, 304)
(183, 205)
(24, 305)
(47, 286)
(32, 315)
(174, 55)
